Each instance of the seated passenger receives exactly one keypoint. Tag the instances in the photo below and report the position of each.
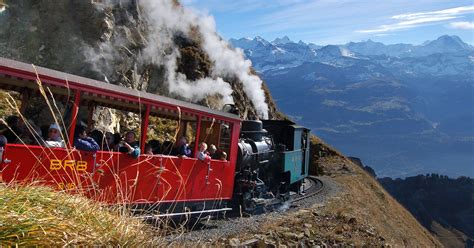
(98, 136)
(117, 139)
(167, 147)
(33, 135)
(203, 155)
(14, 129)
(130, 145)
(221, 155)
(110, 143)
(148, 149)
(84, 143)
(54, 137)
(3, 141)
(212, 151)
(183, 148)
(155, 146)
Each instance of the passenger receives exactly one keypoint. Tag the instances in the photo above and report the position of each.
(212, 151)
(183, 148)
(203, 155)
(222, 156)
(167, 147)
(117, 139)
(34, 136)
(98, 136)
(130, 145)
(148, 149)
(109, 143)
(44, 131)
(84, 143)
(3, 141)
(54, 137)
(155, 146)
(14, 129)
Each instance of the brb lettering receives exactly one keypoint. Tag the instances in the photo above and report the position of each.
(56, 164)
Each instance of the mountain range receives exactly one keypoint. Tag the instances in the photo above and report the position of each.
(404, 109)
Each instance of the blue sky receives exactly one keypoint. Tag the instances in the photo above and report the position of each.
(340, 21)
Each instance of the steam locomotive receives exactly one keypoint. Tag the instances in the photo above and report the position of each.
(272, 161)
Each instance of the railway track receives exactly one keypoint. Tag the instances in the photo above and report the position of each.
(315, 187)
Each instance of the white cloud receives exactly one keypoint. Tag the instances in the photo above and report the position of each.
(412, 20)
(462, 25)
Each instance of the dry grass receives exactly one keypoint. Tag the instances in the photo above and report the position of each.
(364, 199)
(38, 216)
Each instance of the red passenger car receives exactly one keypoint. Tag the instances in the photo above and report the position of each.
(168, 182)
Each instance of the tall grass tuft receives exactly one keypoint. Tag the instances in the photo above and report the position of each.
(38, 216)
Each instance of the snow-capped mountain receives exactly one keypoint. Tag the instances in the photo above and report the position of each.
(278, 54)
(405, 109)
(436, 56)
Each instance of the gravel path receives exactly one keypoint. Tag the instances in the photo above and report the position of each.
(214, 229)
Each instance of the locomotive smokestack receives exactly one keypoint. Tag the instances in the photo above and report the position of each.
(252, 129)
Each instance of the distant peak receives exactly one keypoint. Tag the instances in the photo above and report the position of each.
(450, 41)
(283, 40)
(261, 40)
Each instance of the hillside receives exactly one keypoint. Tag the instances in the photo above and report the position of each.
(161, 48)
(401, 107)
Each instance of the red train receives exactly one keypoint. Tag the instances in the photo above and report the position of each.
(168, 183)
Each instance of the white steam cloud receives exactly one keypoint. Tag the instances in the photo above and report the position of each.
(165, 19)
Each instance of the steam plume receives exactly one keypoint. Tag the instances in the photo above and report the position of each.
(165, 19)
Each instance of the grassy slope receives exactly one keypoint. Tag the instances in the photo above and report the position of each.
(369, 203)
(38, 216)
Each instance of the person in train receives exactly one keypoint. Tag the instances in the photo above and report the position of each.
(110, 143)
(212, 151)
(221, 155)
(130, 145)
(54, 137)
(203, 155)
(155, 146)
(148, 149)
(14, 129)
(3, 141)
(183, 149)
(83, 142)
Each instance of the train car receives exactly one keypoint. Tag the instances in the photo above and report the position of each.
(265, 161)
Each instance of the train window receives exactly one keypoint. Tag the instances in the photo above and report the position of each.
(54, 107)
(214, 132)
(35, 111)
(105, 117)
(166, 127)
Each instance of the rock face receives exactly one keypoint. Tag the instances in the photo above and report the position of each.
(114, 41)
